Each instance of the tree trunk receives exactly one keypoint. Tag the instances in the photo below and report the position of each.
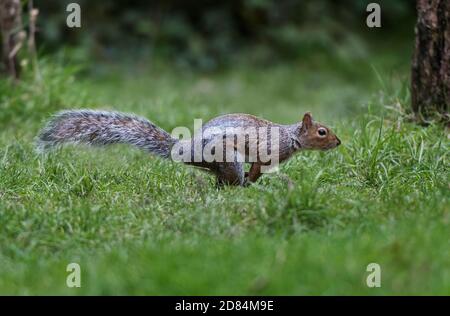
(430, 80)
(12, 34)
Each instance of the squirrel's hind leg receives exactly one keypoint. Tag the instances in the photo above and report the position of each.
(230, 173)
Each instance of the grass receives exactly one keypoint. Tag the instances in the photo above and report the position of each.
(140, 225)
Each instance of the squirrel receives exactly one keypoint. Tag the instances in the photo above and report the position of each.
(100, 128)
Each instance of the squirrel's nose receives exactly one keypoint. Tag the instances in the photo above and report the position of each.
(338, 141)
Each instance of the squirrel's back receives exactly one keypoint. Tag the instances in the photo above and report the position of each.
(237, 120)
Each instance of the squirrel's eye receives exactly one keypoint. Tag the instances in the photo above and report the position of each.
(322, 131)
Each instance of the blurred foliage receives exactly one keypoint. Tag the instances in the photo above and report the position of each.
(207, 34)
(28, 100)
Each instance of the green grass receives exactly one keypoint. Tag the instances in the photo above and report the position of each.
(140, 225)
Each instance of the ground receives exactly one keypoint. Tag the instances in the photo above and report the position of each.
(137, 224)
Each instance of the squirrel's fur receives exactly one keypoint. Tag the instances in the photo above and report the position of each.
(100, 128)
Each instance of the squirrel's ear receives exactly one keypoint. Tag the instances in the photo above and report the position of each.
(307, 120)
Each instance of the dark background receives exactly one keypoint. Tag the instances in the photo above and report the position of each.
(207, 34)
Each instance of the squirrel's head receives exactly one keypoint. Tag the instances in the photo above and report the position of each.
(314, 135)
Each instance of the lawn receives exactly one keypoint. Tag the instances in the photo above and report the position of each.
(137, 224)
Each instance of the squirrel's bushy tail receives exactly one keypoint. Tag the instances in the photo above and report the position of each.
(100, 128)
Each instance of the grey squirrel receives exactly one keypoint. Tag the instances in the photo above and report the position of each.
(100, 128)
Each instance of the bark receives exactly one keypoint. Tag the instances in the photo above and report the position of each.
(12, 34)
(430, 79)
